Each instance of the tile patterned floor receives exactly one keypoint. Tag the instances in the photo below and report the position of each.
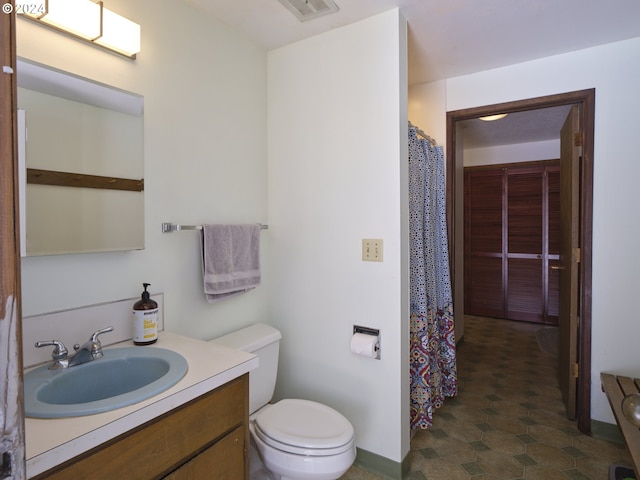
(508, 420)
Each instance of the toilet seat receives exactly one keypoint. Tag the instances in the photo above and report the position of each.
(304, 427)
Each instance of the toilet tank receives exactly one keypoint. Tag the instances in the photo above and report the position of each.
(264, 341)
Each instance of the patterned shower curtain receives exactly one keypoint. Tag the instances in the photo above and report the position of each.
(433, 347)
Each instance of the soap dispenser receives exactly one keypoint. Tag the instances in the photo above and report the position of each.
(145, 319)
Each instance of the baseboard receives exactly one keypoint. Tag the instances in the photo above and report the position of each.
(606, 431)
(383, 466)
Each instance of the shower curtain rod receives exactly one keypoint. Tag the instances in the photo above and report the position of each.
(419, 132)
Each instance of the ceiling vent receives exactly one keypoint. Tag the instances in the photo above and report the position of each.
(309, 9)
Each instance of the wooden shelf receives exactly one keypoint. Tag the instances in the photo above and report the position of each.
(66, 179)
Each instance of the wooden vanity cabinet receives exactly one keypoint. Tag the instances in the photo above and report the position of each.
(206, 438)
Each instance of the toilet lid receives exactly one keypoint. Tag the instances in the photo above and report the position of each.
(301, 426)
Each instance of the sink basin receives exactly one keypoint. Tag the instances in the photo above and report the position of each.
(123, 376)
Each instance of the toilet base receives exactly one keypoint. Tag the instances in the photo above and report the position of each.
(311, 471)
(257, 470)
(278, 465)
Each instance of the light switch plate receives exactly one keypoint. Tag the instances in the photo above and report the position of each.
(372, 249)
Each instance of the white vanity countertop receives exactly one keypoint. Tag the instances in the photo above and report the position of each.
(50, 442)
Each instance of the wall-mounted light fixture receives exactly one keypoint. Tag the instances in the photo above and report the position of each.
(90, 21)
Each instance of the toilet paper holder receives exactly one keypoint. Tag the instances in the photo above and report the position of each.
(369, 331)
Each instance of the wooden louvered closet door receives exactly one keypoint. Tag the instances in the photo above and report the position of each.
(483, 261)
(511, 241)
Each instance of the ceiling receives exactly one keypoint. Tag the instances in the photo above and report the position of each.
(448, 38)
(519, 127)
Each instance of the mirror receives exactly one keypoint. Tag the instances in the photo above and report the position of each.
(82, 164)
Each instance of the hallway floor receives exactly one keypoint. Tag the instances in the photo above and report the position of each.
(508, 420)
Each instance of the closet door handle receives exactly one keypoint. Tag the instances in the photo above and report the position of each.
(553, 267)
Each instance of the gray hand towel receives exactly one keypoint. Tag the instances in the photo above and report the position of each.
(230, 260)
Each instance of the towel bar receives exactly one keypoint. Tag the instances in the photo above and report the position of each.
(168, 227)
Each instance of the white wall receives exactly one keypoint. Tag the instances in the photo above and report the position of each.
(614, 71)
(512, 153)
(337, 174)
(205, 162)
(426, 102)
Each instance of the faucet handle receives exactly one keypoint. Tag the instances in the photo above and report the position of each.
(59, 353)
(94, 336)
(96, 346)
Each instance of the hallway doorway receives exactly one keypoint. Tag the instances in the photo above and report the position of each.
(584, 101)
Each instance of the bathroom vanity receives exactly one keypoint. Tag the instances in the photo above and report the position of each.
(196, 429)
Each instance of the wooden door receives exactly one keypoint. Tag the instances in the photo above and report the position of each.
(484, 243)
(553, 246)
(570, 145)
(12, 451)
(526, 244)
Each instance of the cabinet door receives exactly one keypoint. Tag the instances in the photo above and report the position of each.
(484, 276)
(525, 244)
(222, 461)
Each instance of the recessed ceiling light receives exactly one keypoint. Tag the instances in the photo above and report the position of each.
(307, 9)
(491, 118)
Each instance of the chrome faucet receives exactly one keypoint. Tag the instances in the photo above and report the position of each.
(87, 352)
(59, 353)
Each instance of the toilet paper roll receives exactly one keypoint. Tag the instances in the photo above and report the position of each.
(365, 345)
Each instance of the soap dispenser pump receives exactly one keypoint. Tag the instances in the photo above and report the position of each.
(145, 319)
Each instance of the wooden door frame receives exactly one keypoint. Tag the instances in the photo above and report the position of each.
(12, 453)
(586, 100)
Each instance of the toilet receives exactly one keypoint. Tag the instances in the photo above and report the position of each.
(295, 439)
